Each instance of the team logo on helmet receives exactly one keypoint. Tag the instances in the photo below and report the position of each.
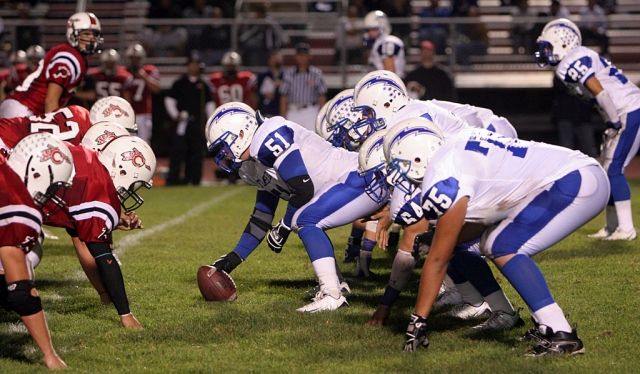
(54, 154)
(105, 137)
(115, 110)
(136, 157)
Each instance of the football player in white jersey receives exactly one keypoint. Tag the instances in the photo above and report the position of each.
(387, 51)
(518, 197)
(598, 82)
(323, 187)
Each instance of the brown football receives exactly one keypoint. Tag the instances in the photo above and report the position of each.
(216, 285)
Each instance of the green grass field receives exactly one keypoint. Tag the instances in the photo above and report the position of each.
(596, 283)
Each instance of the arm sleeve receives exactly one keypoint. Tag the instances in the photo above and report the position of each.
(258, 225)
(111, 276)
(607, 105)
(172, 106)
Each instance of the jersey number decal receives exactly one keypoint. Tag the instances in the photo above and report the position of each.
(230, 93)
(30, 78)
(46, 123)
(104, 89)
(277, 146)
(475, 146)
(409, 218)
(139, 83)
(577, 70)
(437, 203)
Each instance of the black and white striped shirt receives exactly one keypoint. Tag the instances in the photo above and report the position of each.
(303, 88)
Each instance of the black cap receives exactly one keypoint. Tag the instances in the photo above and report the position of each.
(303, 48)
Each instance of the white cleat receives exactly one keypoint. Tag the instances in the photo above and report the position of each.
(622, 235)
(325, 300)
(603, 233)
(49, 235)
(344, 288)
(450, 296)
(500, 320)
(466, 311)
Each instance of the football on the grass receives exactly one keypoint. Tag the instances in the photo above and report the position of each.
(216, 285)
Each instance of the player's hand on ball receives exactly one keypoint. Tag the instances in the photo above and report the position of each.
(278, 236)
(416, 334)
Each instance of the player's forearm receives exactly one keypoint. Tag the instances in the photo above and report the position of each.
(111, 275)
(88, 264)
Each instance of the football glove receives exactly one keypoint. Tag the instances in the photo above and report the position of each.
(422, 244)
(614, 125)
(416, 334)
(278, 236)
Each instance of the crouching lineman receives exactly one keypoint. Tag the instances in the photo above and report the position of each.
(519, 197)
(324, 189)
(38, 167)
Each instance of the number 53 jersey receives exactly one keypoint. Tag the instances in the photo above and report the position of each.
(495, 172)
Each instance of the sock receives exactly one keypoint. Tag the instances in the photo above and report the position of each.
(469, 294)
(527, 279)
(356, 233)
(475, 270)
(448, 282)
(395, 228)
(623, 213)
(366, 253)
(326, 271)
(401, 270)
(247, 244)
(341, 278)
(611, 217)
(498, 301)
(552, 316)
(316, 243)
(390, 296)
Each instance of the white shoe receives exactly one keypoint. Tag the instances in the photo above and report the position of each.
(466, 311)
(501, 320)
(344, 288)
(622, 235)
(325, 300)
(603, 233)
(450, 296)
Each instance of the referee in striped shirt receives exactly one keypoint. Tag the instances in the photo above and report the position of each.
(303, 90)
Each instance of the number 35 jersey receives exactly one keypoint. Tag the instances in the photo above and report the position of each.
(495, 172)
(294, 151)
(582, 63)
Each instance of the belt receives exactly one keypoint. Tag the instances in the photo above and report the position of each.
(301, 106)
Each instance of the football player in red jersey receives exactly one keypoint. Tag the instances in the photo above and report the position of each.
(59, 73)
(23, 197)
(146, 82)
(9, 76)
(93, 211)
(231, 84)
(111, 78)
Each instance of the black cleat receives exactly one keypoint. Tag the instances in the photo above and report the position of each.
(557, 343)
(394, 239)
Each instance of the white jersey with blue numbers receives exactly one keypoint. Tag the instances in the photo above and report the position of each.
(277, 141)
(266, 179)
(482, 118)
(495, 172)
(447, 122)
(388, 46)
(582, 63)
(404, 209)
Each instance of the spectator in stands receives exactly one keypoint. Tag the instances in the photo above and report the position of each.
(429, 81)
(189, 104)
(609, 6)
(593, 26)
(436, 32)
(573, 120)
(258, 39)
(400, 9)
(198, 9)
(303, 91)
(461, 8)
(557, 10)
(165, 40)
(145, 84)
(268, 86)
(522, 37)
(215, 39)
(476, 40)
(352, 37)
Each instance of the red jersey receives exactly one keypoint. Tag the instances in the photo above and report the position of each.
(69, 123)
(62, 65)
(20, 219)
(140, 94)
(111, 85)
(93, 206)
(225, 90)
(22, 71)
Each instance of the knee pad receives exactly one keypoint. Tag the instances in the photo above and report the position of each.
(20, 299)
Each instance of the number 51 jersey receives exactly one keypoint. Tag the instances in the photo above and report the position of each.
(495, 172)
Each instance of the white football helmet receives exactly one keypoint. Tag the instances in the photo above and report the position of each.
(558, 38)
(45, 164)
(378, 95)
(99, 135)
(321, 121)
(109, 61)
(135, 50)
(231, 58)
(408, 147)
(376, 20)
(372, 166)
(35, 53)
(18, 57)
(114, 109)
(84, 21)
(342, 118)
(131, 164)
(229, 132)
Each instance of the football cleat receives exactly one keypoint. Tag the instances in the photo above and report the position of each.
(531, 334)
(622, 235)
(325, 300)
(394, 239)
(447, 296)
(344, 288)
(466, 311)
(557, 343)
(501, 320)
(603, 233)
